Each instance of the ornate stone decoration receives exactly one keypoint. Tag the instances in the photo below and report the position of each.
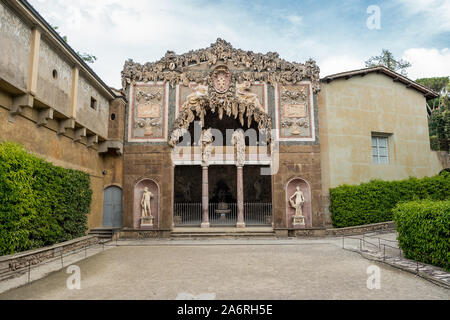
(148, 112)
(206, 140)
(295, 111)
(238, 140)
(269, 68)
(246, 96)
(227, 103)
(216, 70)
(221, 79)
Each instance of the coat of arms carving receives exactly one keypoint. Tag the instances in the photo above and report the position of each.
(221, 79)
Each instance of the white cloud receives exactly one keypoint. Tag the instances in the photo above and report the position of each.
(340, 63)
(294, 19)
(115, 30)
(437, 13)
(427, 62)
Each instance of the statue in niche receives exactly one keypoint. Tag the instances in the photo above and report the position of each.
(238, 141)
(206, 140)
(146, 203)
(147, 217)
(245, 95)
(299, 219)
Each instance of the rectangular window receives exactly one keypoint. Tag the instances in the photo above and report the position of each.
(380, 149)
(93, 103)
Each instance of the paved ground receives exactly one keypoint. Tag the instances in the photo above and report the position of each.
(230, 269)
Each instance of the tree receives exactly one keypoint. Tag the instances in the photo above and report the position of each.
(86, 57)
(439, 123)
(387, 59)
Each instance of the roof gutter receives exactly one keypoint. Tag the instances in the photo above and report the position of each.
(428, 93)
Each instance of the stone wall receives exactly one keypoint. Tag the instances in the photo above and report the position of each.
(54, 89)
(143, 162)
(298, 162)
(17, 262)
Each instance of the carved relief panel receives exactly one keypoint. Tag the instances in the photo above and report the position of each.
(148, 113)
(295, 112)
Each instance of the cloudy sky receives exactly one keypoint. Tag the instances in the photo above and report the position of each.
(334, 33)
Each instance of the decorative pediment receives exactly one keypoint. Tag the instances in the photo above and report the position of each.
(248, 66)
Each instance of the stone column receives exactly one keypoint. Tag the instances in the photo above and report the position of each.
(240, 197)
(205, 198)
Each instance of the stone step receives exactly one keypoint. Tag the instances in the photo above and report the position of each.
(222, 234)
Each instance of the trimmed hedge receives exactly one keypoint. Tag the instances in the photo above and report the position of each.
(40, 204)
(424, 231)
(374, 201)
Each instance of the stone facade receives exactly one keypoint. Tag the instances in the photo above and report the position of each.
(310, 134)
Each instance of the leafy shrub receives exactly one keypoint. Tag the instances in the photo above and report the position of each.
(40, 204)
(373, 202)
(424, 231)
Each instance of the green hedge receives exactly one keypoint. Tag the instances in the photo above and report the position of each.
(40, 204)
(424, 231)
(373, 202)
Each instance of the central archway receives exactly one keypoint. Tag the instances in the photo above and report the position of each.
(248, 114)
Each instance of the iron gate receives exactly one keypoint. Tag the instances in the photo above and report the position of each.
(223, 214)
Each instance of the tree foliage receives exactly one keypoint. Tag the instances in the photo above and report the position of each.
(86, 57)
(439, 123)
(387, 59)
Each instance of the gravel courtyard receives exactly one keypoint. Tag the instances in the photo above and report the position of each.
(230, 269)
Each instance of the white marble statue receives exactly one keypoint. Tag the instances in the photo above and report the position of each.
(206, 141)
(238, 140)
(298, 203)
(146, 203)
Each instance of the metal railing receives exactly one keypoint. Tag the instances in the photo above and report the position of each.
(63, 258)
(190, 214)
(258, 213)
(187, 214)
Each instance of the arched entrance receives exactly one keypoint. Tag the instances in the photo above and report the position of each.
(225, 186)
(112, 207)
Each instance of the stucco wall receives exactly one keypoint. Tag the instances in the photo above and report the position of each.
(15, 38)
(94, 119)
(350, 110)
(52, 91)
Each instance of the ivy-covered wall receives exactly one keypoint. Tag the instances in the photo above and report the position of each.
(40, 204)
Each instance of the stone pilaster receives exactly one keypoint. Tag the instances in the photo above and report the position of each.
(205, 198)
(240, 197)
